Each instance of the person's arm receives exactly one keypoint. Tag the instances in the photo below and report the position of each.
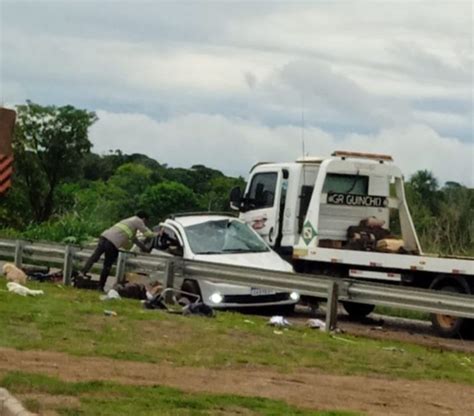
(144, 229)
(142, 245)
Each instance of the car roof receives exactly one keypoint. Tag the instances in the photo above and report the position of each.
(187, 220)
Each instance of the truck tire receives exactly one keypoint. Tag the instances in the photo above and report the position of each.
(448, 326)
(358, 310)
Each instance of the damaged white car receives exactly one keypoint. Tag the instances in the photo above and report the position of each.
(227, 240)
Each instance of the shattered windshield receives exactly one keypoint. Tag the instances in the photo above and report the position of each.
(223, 237)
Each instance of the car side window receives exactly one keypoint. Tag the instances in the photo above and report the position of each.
(261, 193)
(168, 241)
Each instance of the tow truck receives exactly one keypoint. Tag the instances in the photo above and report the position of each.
(311, 211)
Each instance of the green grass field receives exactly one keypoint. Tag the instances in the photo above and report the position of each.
(73, 321)
(110, 399)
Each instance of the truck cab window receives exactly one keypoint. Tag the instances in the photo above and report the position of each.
(346, 184)
(262, 190)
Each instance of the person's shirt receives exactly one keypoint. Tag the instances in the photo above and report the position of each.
(122, 234)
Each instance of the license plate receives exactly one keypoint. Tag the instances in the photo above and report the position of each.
(258, 291)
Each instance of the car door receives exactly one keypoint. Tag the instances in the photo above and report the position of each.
(261, 203)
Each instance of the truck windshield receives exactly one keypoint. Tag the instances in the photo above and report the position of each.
(223, 237)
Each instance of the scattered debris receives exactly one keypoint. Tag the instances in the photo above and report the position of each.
(248, 321)
(45, 277)
(111, 295)
(316, 324)
(199, 309)
(22, 290)
(279, 321)
(109, 313)
(378, 328)
(394, 349)
(14, 274)
(277, 332)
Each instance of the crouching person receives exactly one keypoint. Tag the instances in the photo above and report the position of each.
(120, 236)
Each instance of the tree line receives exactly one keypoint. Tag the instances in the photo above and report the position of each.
(63, 191)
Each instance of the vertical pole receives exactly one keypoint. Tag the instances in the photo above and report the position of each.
(169, 280)
(68, 263)
(331, 307)
(19, 253)
(121, 265)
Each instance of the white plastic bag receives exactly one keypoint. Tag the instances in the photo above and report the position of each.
(22, 290)
(111, 294)
(279, 321)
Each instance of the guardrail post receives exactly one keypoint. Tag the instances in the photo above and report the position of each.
(68, 265)
(331, 307)
(19, 246)
(169, 280)
(121, 265)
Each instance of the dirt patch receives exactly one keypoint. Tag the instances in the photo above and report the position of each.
(303, 388)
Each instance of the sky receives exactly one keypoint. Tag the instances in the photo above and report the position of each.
(227, 84)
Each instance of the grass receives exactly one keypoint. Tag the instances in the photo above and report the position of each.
(402, 313)
(72, 321)
(105, 398)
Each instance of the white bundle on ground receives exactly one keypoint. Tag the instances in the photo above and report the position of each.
(278, 321)
(14, 274)
(22, 290)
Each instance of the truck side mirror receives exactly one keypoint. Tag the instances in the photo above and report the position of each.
(235, 198)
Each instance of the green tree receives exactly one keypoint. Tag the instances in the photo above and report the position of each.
(426, 185)
(167, 197)
(50, 144)
(131, 180)
(217, 199)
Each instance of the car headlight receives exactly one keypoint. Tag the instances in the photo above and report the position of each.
(216, 298)
(295, 296)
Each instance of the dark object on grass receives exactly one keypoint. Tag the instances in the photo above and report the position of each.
(199, 309)
(81, 281)
(46, 277)
(156, 303)
(131, 290)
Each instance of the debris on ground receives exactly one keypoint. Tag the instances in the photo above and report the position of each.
(279, 321)
(316, 324)
(277, 332)
(111, 295)
(393, 349)
(22, 290)
(378, 328)
(41, 276)
(109, 313)
(199, 309)
(248, 321)
(14, 274)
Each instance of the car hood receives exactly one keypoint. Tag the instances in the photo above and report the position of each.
(265, 260)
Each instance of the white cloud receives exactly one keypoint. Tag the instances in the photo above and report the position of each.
(234, 145)
(225, 83)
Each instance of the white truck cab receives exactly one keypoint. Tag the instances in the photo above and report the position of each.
(306, 210)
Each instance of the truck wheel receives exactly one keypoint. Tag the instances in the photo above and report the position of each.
(358, 310)
(448, 326)
(191, 286)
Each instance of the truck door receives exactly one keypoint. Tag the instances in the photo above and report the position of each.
(262, 204)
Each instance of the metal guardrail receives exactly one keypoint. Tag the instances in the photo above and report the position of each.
(322, 287)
